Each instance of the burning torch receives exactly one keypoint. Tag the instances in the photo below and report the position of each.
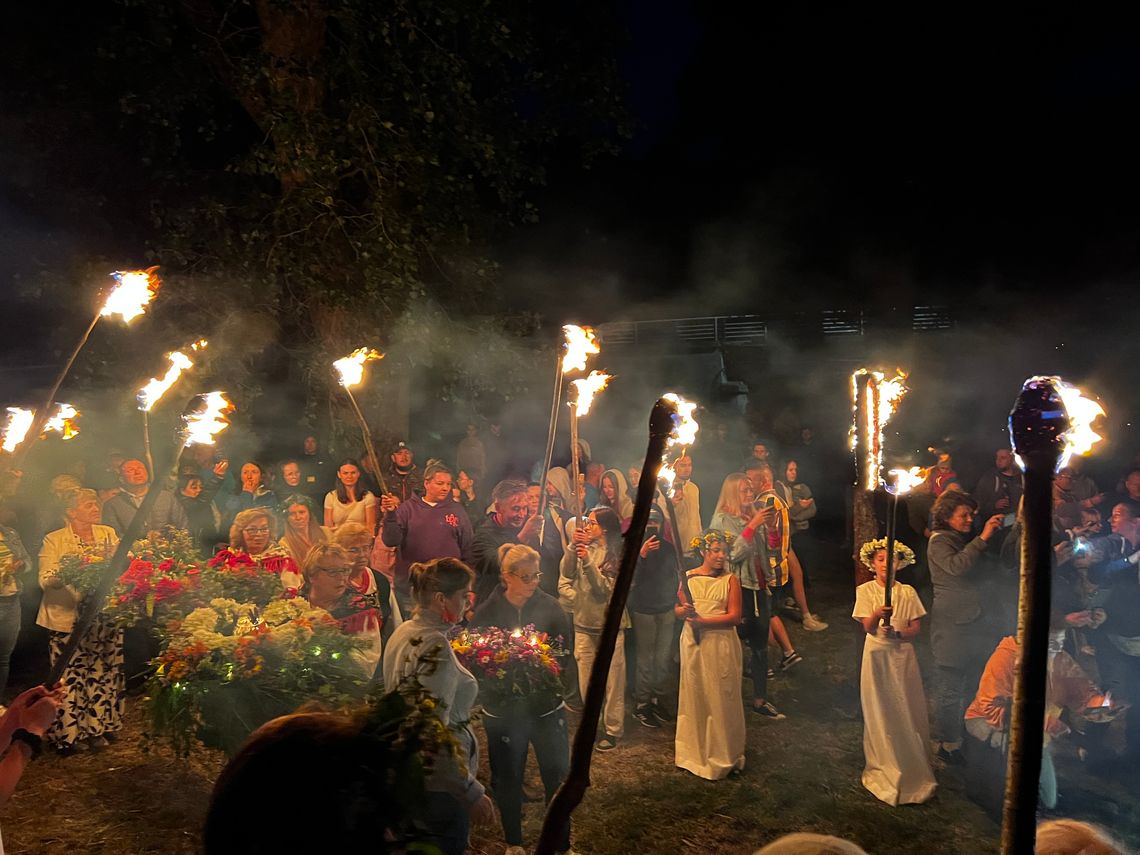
(350, 371)
(1050, 422)
(684, 435)
(128, 298)
(152, 392)
(905, 481)
(585, 388)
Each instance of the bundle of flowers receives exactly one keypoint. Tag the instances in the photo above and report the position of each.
(239, 576)
(514, 667)
(229, 667)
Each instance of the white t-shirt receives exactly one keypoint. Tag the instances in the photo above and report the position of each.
(350, 512)
(907, 606)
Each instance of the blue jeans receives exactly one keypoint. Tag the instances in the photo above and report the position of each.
(9, 632)
(508, 738)
(653, 638)
(444, 823)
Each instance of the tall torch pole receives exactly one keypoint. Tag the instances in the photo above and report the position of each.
(548, 455)
(1048, 422)
(350, 372)
(662, 424)
(579, 343)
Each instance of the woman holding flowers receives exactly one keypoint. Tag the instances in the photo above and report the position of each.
(302, 531)
(327, 569)
(531, 715)
(420, 652)
(895, 724)
(710, 710)
(93, 682)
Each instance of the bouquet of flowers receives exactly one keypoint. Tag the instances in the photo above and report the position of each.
(229, 667)
(518, 668)
(240, 576)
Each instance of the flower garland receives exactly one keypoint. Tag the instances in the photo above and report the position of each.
(904, 555)
(704, 541)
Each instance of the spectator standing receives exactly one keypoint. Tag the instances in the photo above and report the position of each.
(404, 479)
(509, 522)
(801, 511)
(999, 490)
(202, 515)
(302, 531)
(470, 454)
(349, 502)
(651, 602)
(251, 492)
(135, 480)
(314, 470)
(686, 498)
(14, 563)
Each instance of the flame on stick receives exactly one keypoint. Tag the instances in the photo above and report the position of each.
(1080, 437)
(16, 428)
(882, 399)
(351, 367)
(206, 417)
(906, 479)
(684, 433)
(132, 293)
(587, 388)
(580, 344)
(152, 392)
(63, 420)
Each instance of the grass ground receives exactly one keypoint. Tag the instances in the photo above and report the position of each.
(802, 774)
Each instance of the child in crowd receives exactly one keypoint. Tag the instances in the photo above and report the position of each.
(896, 731)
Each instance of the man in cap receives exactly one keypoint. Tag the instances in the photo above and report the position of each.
(403, 476)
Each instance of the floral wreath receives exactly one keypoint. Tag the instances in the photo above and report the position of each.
(705, 540)
(904, 555)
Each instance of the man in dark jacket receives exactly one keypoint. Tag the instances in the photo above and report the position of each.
(403, 476)
(509, 522)
(119, 510)
(999, 490)
(651, 604)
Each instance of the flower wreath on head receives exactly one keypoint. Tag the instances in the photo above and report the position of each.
(706, 539)
(904, 554)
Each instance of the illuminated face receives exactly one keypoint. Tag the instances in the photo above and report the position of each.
(593, 529)
(533, 495)
(437, 487)
(962, 520)
(250, 477)
(760, 451)
(472, 430)
(256, 535)
(403, 458)
(456, 605)
(298, 517)
(85, 513)
(522, 582)
(464, 481)
(291, 474)
(634, 475)
(1132, 485)
(609, 489)
(513, 510)
(792, 471)
(329, 579)
(1123, 523)
(715, 556)
(348, 475)
(193, 488)
(879, 566)
(358, 549)
(747, 493)
(684, 468)
(1003, 459)
(133, 473)
(310, 445)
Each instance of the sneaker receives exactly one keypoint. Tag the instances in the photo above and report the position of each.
(790, 603)
(515, 850)
(766, 710)
(606, 743)
(812, 623)
(771, 673)
(644, 714)
(789, 660)
(663, 715)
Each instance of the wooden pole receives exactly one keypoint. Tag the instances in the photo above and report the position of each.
(369, 447)
(551, 431)
(575, 465)
(573, 789)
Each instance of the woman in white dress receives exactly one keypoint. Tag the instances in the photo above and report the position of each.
(896, 730)
(710, 710)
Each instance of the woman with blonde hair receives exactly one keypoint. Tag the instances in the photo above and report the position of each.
(94, 683)
(419, 650)
(540, 722)
(254, 532)
(327, 570)
(302, 531)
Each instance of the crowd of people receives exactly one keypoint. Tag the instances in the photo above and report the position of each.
(719, 568)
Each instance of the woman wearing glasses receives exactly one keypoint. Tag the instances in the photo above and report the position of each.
(254, 532)
(327, 569)
(541, 722)
(419, 650)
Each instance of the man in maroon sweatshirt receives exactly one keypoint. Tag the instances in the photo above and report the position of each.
(425, 527)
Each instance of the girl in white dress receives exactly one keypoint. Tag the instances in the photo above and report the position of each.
(896, 731)
(710, 710)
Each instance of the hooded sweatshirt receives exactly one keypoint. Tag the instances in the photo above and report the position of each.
(624, 504)
(423, 532)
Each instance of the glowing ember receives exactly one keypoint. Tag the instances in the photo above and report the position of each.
(351, 367)
(150, 394)
(133, 291)
(907, 479)
(580, 343)
(881, 401)
(63, 421)
(16, 429)
(587, 388)
(1080, 437)
(205, 418)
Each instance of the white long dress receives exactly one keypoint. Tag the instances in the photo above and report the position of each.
(710, 711)
(896, 730)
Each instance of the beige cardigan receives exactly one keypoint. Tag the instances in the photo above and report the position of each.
(57, 608)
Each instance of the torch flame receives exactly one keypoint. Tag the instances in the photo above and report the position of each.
(16, 429)
(133, 291)
(64, 421)
(351, 367)
(587, 388)
(150, 394)
(580, 343)
(205, 418)
(1082, 412)
(684, 432)
(883, 397)
(907, 479)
